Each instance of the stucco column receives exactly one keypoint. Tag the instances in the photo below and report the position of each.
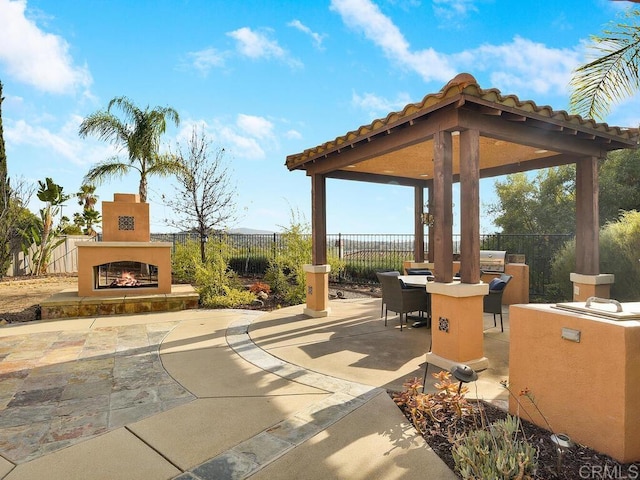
(317, 290)
(456, 332)
(585, 286)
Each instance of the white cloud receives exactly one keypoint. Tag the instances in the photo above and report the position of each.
(375, 105)
(523, 65)
(258, 127)
(317, 37)
(242, 139)
(293, 135)
(518, 66)
(453, 9)
(364, 16)
(64, 143)
(204, 60)
(35, 57)
(258, 45)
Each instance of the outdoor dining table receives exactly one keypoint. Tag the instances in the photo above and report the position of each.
(418, 281)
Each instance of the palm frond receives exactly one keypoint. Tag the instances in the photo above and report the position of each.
(167, 164)
(108, 169)
(105, 127)
(613, 74)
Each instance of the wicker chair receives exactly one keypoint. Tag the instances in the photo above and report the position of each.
(401, 300)
(492, 302)
(384, 298)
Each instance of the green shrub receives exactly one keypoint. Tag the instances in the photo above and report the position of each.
(217, 285)
(562, 265)
(619, 254)
(184, 260)
(285, 273)
(496, 453)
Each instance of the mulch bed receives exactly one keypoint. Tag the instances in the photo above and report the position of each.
(577, 463)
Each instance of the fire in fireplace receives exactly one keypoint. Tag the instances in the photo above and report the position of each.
(125, 275)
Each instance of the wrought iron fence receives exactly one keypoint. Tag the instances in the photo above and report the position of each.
(363, 254)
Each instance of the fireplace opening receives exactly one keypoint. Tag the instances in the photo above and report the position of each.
(125, 274)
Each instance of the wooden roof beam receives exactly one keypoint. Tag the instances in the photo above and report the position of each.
(377, 178)
(519, 133)
(486, 110)
(534, 164)
(512, 117)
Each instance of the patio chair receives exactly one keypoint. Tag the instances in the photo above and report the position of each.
(401, 300)
(492, 302)
(384, 299)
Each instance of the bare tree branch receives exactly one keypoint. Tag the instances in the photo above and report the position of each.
(205, 197)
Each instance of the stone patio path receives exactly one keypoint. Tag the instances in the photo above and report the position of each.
(59, 388)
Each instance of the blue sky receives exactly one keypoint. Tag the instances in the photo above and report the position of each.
(271, 78)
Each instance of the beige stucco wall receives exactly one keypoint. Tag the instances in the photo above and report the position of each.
(588, 390)
(464, 339)
(125, 205)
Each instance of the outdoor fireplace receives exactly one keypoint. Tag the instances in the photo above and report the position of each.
(126, 262)
(125, 275)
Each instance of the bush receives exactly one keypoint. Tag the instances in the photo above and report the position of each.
(619, 254)
(285, 273)
(497, 453)
(217, 285)
(434, 411)
(562, 265)
(184, 260)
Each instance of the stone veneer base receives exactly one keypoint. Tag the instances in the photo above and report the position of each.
(67, 303)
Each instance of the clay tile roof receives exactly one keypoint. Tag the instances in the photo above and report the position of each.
(465, 87)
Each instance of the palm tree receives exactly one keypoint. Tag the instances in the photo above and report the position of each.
(613, 74)
(87, 197)
(138, 132)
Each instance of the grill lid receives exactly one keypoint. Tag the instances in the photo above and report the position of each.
(604, 307)
(492, 260)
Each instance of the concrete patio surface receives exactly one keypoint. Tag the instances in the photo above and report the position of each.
(220, 394)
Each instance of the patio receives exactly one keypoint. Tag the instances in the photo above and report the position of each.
(353, 343)
(220, 394)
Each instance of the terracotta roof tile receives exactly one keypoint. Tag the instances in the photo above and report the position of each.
(464, 86)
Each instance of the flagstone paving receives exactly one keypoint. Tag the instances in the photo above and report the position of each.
(60, 388)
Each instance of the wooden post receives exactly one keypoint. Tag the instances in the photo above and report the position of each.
(587, 220)
(470, 206)
(430, 229)
(418, 226)
(318, 219)
(443, 208)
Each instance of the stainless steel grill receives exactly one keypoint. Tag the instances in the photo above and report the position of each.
(492, 261)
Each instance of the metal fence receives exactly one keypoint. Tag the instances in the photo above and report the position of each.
(362, 254)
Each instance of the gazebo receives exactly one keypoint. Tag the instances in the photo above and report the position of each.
(461, 134)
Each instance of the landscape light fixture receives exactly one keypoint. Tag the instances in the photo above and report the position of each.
(464, 374)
